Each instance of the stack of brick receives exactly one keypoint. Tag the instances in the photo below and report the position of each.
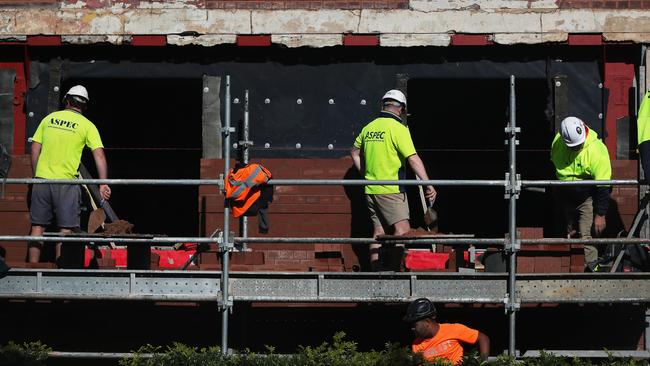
(626, 201)
(14, 213)
(547, 258)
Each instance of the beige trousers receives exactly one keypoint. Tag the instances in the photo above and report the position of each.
(579, 221)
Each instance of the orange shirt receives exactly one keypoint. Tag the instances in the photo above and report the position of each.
(445, 344)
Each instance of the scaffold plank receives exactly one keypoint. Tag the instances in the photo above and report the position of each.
(321, 287)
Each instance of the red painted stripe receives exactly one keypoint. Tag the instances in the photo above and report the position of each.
(254, 40)
(149, 41)
(585, 40)
(470, 40)
(43, 40)
(361, 40)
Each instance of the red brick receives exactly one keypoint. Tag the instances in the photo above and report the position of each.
(525, 264)
(547, 264)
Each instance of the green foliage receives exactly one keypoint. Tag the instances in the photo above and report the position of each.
(341, 352)
(25, 354)
(338, 352)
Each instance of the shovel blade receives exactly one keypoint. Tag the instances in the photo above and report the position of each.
(96, 220)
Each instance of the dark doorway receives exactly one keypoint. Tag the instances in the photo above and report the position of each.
(458, 129)
(151, 129)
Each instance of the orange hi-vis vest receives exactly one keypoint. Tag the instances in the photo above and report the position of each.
(243, 187)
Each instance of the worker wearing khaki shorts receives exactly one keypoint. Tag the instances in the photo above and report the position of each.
(379, 153)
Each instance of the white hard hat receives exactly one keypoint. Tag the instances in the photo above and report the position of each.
(79, 91)
(573, 131)
(395, 94)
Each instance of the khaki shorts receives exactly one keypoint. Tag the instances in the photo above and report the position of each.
(387, 209)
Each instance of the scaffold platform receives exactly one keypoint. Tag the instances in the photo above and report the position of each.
(382, 287)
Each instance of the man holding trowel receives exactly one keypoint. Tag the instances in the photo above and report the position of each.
(379, 153)
(56, 150)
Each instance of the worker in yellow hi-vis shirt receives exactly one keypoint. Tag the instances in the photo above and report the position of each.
(379, 153)
(578, 154)
(56, 150)
(643, 132)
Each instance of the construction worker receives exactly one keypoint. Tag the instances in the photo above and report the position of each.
(56, 150)
(379, 153)
(578, 154)
(643, 133)
(441, 340)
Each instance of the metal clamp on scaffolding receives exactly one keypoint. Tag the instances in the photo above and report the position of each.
(225, 245)
(511, 306)
(510, 245)
(227, 130)
(513, 186)
(224, 305)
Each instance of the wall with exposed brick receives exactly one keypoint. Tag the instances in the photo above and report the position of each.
(294, 23)
(14, 214)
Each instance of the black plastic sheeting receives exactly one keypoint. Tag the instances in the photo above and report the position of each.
(321, 98)
(7, 78)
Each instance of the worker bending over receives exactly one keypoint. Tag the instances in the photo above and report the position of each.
(56, 149)
(578, 154)
(379, 153)
(441, 340)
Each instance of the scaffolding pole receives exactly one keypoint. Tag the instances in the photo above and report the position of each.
(245, 145)
(224, 247)
(512, 193)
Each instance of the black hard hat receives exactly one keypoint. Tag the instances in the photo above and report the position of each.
(419, 309)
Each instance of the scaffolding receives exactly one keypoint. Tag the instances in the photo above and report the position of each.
(225, 287)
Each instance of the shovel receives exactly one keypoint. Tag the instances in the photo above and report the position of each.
(97, 217)
(430, 215)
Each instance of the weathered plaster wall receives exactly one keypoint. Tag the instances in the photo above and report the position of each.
(296, 23)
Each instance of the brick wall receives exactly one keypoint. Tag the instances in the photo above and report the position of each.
(14, 214)
(306, 4)
(603, 4)
(297, 211)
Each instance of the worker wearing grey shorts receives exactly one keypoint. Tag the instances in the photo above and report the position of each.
(379, 153)
(56, 150)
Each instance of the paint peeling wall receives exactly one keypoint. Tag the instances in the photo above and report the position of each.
(295, 24)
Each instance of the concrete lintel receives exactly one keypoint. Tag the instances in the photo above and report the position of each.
(634, 37)
(490, 5)
(203, 40)
(408, 21)
(13, 38)
(304, 21)
(84, 39)
(596, 21)
(414, 40)
(307, 40)
(529, 38)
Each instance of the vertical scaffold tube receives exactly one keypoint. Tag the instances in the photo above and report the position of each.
(225, 308)
(245, 157)
(512, 221)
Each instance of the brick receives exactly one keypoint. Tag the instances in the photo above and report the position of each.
(531, 232)
(525, 264)
(547, 264)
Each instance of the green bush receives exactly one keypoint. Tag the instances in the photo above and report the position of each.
(339, 352)
(26, 354)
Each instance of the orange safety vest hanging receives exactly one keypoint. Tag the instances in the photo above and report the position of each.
(243, 187)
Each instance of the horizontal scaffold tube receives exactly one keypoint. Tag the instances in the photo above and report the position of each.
(297, 240)
(323, 182)
(543, 183)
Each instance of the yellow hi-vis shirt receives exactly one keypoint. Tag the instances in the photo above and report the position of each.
(63, 135)
(643, 119)
(385, 143)
(590, 162)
